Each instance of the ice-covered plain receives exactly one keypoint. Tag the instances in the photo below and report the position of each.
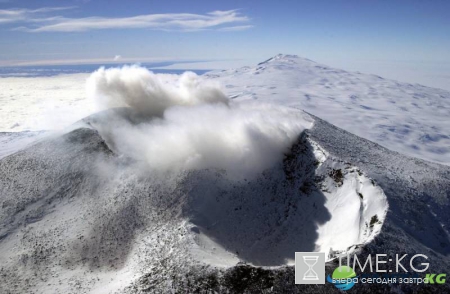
(42, 103)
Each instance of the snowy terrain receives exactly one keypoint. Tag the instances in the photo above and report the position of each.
(410, 119)
(180, 189)
(42, 103)
(102, 225)
(11, 142)
(101, 222)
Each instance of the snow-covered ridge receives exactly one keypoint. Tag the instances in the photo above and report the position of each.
(102, 217)
(411, 119)
(288, 58)
(99, 224)
(357, 205)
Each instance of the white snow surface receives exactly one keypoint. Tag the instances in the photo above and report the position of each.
(353, 206)
(409, 118)
(43, 103)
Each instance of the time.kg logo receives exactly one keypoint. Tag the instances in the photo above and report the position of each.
(309, 267)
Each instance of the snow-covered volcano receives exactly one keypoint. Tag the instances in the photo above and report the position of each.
(97, 209)
(409, 118)
(75, 212)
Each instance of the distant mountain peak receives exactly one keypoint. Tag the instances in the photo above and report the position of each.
(286, 56)
(291, 58)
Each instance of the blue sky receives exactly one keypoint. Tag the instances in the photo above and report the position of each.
(352, 34)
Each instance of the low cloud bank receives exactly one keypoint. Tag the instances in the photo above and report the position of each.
(191, 123)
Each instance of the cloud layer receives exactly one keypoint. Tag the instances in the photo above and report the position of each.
(39, 20)
(29, 15)
(191, 124)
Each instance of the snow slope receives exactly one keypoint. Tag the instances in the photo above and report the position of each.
(11, 142)
(100, 222)
(76, 217)
(411, 119)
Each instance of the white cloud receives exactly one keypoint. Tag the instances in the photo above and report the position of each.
(117, 57)
(141, 89)
(29, 15)
(220, 20)
(189, 123)
(92, 61)
(236, 28)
